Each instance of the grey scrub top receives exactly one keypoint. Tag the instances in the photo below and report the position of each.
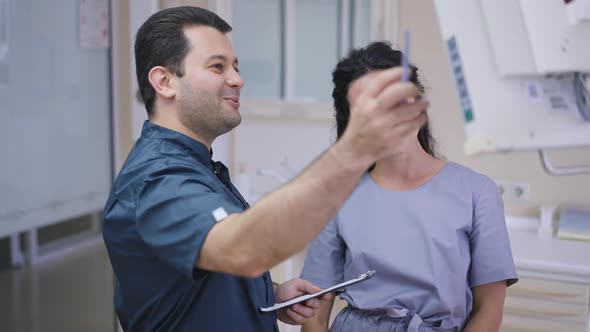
(429, 246)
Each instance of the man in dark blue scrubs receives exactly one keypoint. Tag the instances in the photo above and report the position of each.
(187, 251)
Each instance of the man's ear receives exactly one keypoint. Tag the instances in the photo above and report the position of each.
(161, 80)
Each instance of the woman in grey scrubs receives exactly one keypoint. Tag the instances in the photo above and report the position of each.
(433, 230)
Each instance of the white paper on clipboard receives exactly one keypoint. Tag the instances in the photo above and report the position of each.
(365, 276)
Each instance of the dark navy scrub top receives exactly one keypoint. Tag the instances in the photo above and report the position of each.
(157, 216)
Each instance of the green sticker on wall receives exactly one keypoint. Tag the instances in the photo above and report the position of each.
(460, 82)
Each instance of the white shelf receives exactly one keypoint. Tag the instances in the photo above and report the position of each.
(548, 258)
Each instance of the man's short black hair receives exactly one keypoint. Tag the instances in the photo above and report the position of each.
(161, 41)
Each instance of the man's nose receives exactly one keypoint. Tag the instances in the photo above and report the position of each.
(234, 79)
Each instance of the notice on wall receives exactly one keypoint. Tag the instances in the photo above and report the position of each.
(94, 24)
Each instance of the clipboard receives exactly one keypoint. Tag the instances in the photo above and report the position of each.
(365, 276)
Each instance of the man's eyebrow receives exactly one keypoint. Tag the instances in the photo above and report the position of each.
(221, 57)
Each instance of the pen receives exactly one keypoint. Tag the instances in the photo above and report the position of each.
(405, 57)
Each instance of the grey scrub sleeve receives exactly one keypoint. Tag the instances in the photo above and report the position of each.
(491, 257)
(324, 263)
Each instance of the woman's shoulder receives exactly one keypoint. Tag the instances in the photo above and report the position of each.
(461, 174)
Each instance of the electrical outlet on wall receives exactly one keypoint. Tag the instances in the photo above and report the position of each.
(514, 190)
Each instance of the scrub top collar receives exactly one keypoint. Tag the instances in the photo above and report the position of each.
(190, 145)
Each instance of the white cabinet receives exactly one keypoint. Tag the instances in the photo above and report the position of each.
(546, 305)
(553, 293)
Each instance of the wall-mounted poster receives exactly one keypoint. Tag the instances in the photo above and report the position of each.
(94, 23)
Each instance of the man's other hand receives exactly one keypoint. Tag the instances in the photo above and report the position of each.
(298, 313)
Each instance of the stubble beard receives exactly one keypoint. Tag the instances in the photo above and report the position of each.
(207, 115)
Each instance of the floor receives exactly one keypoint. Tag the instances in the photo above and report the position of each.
(72, 292)
(67, 293)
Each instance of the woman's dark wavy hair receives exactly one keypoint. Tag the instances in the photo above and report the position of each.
(358, 62)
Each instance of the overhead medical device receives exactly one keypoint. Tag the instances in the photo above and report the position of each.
(522, 73)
